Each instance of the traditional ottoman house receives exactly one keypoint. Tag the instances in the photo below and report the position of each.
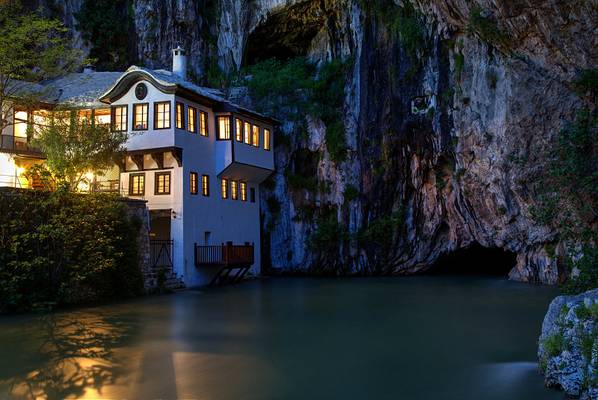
(196, 158)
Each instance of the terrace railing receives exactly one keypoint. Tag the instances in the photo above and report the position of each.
(224, 255)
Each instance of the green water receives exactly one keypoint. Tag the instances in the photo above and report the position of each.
(393, 338)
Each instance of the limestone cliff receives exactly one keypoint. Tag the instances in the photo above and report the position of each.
(449, 109)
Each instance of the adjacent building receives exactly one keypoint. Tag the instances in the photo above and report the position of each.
(195, 157)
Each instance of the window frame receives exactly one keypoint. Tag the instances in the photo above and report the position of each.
(193, 178)
(133, 127)
(239, 129)
(267, 139)
(243, 190)
(204, 129)
(205, 185)
(182, 115)
(218, 135)
(224, 188)
(189, 114)
(247, 132)
(159, 103)
(255, 136)
(234, 190)
(131, 180)
(113, 117)
(156, 179)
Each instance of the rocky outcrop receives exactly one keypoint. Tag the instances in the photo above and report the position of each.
(450, 109)
(568, 349)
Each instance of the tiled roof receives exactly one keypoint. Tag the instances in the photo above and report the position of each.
(79, 89)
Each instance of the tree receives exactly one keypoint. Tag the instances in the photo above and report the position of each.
(32, 48)
(76, 146)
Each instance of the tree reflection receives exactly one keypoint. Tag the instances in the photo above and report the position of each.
(79, 356)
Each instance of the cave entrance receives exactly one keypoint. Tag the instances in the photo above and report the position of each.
(475, 260)
(285, 34)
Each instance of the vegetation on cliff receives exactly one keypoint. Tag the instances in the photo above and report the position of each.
(568, 199)
(295, 89)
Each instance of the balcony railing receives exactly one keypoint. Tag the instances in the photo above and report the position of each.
(224, 255)
(17, 144)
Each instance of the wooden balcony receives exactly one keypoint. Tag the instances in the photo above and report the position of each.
(227, 255)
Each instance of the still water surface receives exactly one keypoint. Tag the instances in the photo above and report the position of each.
(394, 338)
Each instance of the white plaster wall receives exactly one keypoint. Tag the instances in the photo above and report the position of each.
(150, 138)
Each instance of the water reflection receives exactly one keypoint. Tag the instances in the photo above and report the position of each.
(76, 357)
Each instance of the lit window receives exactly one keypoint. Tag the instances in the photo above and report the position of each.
(223, 128)
(137, 185)
(255, 137)
(102, 116)
(243, 186)
(162, 183)
(252, 195)
(162, 115)
(234, 190)
(193, 182)
(205, 185)
(203, 123)
(119, 118)
(247, 132)
(21, 123)
(267, 139)
(180, 116)
(140, 116)
(224, 188)
(191, 119)
(84, 116)
(239, 130)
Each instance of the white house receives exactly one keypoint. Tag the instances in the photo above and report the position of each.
(196, 158)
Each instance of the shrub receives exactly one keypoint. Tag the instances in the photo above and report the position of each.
(587, 81)
(336, 141)
(296, 88)
(351, 193)
(380, 232)
(105, 26)
(554, 344)
(328, 235)
(486, 28)
(63, 248)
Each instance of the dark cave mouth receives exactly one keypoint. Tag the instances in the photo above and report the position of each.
(475, 260)
(285, 34)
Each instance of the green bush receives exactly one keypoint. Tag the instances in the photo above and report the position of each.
(587, 81)
(381, 231)
(63, 248)
(105, 26)
(555, 344)
(351, 193)
(328, 235)
(486, 28)
(295, 89)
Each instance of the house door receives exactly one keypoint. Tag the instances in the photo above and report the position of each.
(161, 244)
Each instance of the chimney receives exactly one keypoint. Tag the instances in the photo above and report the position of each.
(179, 63)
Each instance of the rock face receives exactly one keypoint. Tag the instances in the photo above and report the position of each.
(447, 125)
(568, 349)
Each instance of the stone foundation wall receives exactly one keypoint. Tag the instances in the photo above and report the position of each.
(154, 279)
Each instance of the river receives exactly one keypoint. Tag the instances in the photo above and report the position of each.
(425, 337)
